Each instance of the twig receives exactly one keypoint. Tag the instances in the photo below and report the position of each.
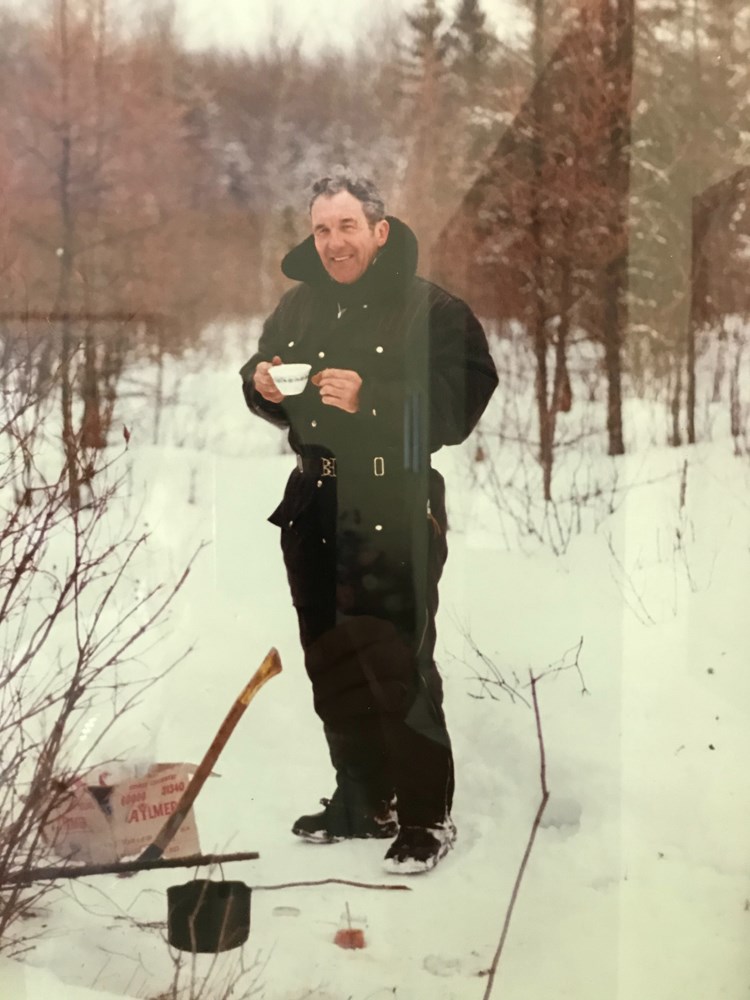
(496, 679)
(562, 665)
(529, 845)
(122, 867)
(643, 615)
(335, 881)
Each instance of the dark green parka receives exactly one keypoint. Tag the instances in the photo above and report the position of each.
(427, 376)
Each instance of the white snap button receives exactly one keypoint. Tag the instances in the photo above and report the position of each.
(379, 350)
(290, 524)
(290, 344)
(313, 423)
(374, 413)
(323, 540)
(320, 482)
(364, 306)
(378, 527)
(321, 354)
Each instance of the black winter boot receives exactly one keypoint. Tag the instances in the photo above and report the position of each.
(418, 849)
(337, 821)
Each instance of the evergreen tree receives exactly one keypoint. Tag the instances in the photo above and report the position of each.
(427, 46)
(425, 110)
(471, 46)
(475, 84)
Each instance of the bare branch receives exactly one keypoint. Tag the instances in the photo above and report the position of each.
(56, 872)
(529, 845)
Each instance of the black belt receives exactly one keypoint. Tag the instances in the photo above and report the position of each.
(324, 466)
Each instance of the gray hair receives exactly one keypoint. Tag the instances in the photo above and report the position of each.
(362, 188)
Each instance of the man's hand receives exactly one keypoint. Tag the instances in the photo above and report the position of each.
(263, 382)
(339, 387)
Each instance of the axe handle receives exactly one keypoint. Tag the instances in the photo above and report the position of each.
(270, 666)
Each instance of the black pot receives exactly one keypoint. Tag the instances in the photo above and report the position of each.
(207, 916)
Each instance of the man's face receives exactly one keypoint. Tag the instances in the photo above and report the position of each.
(345, 242)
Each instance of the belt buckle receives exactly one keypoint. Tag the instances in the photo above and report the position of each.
(378, 466)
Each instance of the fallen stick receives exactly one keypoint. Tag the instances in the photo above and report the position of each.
(197, 860)
(333, 881)
(122, 867)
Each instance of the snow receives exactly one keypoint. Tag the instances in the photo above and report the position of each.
(22, 982)
(637, 884)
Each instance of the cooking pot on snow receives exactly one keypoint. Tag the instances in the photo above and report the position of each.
(205, 916)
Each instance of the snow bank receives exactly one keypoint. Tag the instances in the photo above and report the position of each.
(637, 886)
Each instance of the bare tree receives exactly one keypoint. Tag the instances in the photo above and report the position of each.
(71, 640)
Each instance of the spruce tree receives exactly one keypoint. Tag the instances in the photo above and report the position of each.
(474, 81)
(470, 45)
(426, 119)
(427, 42)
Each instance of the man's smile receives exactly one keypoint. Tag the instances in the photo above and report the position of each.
(346, 241)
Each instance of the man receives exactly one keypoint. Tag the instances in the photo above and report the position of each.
(399, 369)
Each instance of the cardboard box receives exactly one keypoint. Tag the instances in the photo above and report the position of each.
(98, 823)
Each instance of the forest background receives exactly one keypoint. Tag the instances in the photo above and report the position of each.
(586, 183)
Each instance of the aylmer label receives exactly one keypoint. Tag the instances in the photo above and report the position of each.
(98, 823)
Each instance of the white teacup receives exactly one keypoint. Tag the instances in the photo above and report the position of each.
(290, 379)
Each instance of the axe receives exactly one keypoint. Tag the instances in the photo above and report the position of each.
(270, 666)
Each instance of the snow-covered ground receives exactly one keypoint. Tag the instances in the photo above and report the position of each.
(637, 887)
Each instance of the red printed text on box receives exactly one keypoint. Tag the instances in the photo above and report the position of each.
(141, 807)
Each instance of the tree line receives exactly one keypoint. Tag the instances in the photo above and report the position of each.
(148, 189)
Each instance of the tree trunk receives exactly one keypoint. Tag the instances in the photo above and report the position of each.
(159, 388)
(70, 443)
(690, 394)
(92, 425)
(115, 348)
(690, 330)
(676, 405)
(735, 402)
(544, 411)
(614, 308)
(721, 356)
(539, 331)
(562, 394)
(616, 284)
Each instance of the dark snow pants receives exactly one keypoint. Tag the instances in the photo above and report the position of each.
(376, 686)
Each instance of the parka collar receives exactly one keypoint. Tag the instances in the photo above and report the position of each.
(395, 264)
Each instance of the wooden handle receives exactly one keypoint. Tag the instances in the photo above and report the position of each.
(270, 666)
